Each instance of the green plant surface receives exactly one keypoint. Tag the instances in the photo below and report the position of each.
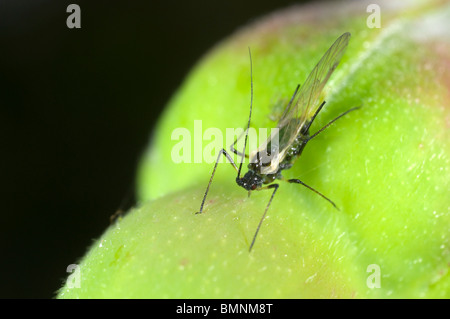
(385, 165)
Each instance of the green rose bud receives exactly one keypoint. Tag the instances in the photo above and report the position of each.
(386, 166)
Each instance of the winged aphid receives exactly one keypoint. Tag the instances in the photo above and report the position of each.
(281, 149)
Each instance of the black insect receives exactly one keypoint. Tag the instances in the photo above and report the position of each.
(281, 150)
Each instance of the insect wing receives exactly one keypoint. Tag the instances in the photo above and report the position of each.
(302, 106)
(306, 101)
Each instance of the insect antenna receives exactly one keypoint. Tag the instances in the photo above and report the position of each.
(127, 202)
(250, 115)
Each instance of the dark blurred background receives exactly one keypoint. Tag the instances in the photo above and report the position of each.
(77, 107)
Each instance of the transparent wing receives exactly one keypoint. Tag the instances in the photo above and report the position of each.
(306, 101)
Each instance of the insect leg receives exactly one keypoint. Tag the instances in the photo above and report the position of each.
(297, 181)
(222, 152)
(275, 186)
(235, 151)
(332, 121)
(315, 114)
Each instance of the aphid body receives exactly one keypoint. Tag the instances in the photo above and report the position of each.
(281, 149)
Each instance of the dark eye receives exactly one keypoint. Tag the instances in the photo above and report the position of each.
(253, 187)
